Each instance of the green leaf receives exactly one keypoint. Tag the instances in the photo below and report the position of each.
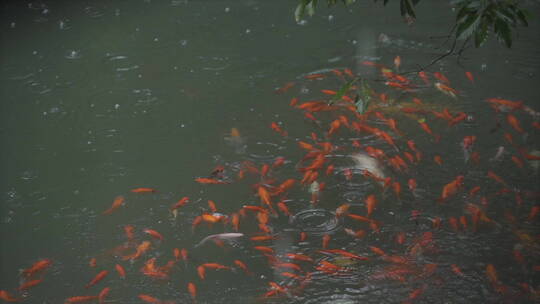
(481, 33)
(299, 12)
(342, 91)
(406, 8)
(522, 17)
(502, 30)
(467, 28)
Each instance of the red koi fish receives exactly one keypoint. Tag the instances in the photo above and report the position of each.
(29, 284)
(470, 77)
(143, 190)
(314, 76)
(97, 278)
(184, 200)
(424, 77)
(377, 250)
(264, 249)
(118, 201)
(397, 62)
(121, 271)
(533, 213)
(37, 267)
(284, 88)
(370, 202)
(4, 295)
(202, 180)
(103, 294)
(345, 254)
(274, 126)
(154, 234)
(325, 241)
(441, 77)
(192, 289)
(242, 266)
(513, 105)
(148, 299)
(512, 120)
(80, 299)
(451, 188)
(446, 89)
(495, 177)
(299, 257)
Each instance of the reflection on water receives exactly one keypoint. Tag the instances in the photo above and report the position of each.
(102, 98)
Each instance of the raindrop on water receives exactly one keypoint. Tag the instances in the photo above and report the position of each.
(227, 10)
(12, 25)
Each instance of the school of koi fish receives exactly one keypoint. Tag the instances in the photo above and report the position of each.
(358, 237)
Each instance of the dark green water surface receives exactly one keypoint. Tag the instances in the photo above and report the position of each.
(101, 97)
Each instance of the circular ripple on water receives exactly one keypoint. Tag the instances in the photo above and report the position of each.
(264, 151)
(317, 221)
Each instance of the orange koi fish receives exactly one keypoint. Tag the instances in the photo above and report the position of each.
(470, 77)
(201, 271)
(299, 257)
(4, 295)
(92, 262)
(37, 267)
(400, 238)
(345, 254)
(495, 177)
(192, 289)
(334, 126)
(438, 160)
(148, 299)
(370, 202)
(329, 92)
(456, 270)
(154, 234)
(303, 236)
(412, 185)
(118, 201)
(265, 197)
(203, 180)
(517, 161)
(348, 72)
(441, 77)
(533, 213)
(242, 266)
(180, 203)
(359, 218)
(491, 274)
(80, 299)
(264, 249)
(424, 77)
(314, 76)
(121, 271)
(293, 102)
(342, 210)
(286, 87)
(278, 162)
(29, 284)
(143, 190)
(274, 126)
(377, 250)
(287, 265)
(451, 188)
(512, 120)
(446, 89)
(97, 278)
(141, 249)
(103, 294)
(284, 208)
(513, 105)
(397, 62)
(325, 241)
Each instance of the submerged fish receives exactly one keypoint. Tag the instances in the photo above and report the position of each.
(220, 236)
(236, 141)
(363, 161)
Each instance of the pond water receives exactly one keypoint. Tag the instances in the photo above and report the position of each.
(103, 97)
